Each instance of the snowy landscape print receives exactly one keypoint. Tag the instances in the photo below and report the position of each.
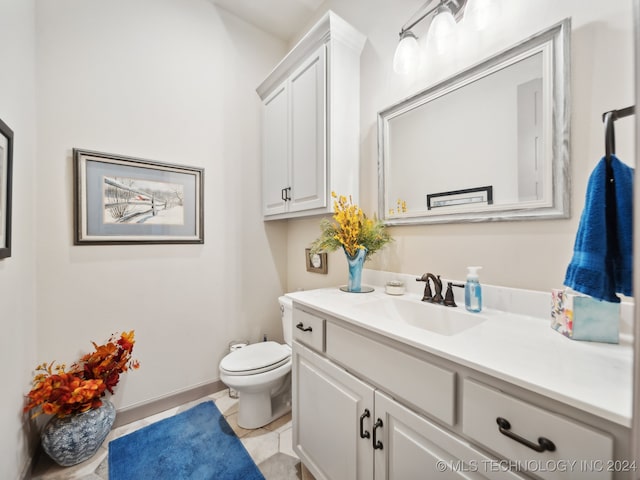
(128, 200)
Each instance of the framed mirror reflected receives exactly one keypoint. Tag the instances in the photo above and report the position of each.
(489, 143)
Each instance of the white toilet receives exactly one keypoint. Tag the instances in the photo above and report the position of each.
(261, 374)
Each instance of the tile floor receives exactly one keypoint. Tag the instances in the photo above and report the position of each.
(269, 446)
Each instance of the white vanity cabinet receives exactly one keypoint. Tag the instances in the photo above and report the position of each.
(366, 406)
(310, 122)
(328, 405)
(344, 427)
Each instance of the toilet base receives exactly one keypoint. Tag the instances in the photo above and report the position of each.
(257, 409)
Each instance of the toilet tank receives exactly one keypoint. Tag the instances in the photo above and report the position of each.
(286, 309)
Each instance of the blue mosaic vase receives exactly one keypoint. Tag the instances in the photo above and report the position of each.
(76, 438)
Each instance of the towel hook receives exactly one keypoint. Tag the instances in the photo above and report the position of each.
(609, 134)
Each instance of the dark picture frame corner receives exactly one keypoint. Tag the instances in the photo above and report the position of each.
(6, 182)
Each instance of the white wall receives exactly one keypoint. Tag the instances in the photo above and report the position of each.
(17, 273)
(172, 81)
(529, 254)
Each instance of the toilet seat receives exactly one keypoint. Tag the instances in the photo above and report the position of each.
(255, 358)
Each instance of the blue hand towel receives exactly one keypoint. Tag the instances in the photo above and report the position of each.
(602, 261)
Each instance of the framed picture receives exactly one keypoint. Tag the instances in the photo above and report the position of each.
(6, 164)
(124, 200)
(460, 197)
(316, 262)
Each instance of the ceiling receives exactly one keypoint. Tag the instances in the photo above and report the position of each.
(282, 18)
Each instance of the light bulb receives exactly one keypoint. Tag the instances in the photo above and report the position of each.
(440, 35)
(482, 12)
(406, 56)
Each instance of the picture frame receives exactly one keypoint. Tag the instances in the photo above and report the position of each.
(6, 180)
(460, 197)
(126, 200)
(317, 262)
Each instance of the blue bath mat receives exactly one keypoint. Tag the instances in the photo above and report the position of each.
(197, 444)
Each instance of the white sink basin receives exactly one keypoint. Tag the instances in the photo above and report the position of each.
(435, 318)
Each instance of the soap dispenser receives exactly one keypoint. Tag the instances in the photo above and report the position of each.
(473, 290)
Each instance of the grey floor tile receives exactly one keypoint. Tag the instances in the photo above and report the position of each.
(103, 469)
(281, 467)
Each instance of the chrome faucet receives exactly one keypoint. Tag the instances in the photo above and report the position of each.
(437, 286)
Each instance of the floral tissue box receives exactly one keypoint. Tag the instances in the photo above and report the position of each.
(580, 317)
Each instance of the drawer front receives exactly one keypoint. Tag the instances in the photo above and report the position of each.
(308, 329)
(574, 442)
(428, 387)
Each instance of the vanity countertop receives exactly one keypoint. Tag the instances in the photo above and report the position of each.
(519, 349)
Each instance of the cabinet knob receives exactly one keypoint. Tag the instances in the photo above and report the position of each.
(505, 428)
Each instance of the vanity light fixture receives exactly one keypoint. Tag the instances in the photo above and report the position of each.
(443, 21)
(441, 30)
(406, 56)
(440, 35)
(482, 12)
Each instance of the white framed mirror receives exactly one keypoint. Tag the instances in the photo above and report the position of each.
(489, 143)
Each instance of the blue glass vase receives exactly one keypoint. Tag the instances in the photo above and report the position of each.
(355, 269)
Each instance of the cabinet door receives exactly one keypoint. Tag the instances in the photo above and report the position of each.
(413, 448)
(308, 138)
(327, 406)
(275, 151)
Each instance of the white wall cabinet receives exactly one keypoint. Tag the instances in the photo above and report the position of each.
(275, 152)
(310, 122)
(368, 407)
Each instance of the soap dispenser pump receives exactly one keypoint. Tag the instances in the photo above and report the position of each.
(473, 290)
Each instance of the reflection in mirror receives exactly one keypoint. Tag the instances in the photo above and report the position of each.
(490, 143)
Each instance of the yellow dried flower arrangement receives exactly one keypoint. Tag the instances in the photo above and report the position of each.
(350, 229)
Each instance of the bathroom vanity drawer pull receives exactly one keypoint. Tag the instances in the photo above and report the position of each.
(363, 432)
(301, 326)
(377, 444)
(505, 428)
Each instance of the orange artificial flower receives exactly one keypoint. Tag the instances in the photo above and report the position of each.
(57, 391)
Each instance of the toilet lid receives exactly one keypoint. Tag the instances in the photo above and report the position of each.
(255, 358)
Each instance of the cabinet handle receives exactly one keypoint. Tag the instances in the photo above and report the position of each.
(377, 444)
(284, 194)
(363, 432)
(301, 326)
(505, 428)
